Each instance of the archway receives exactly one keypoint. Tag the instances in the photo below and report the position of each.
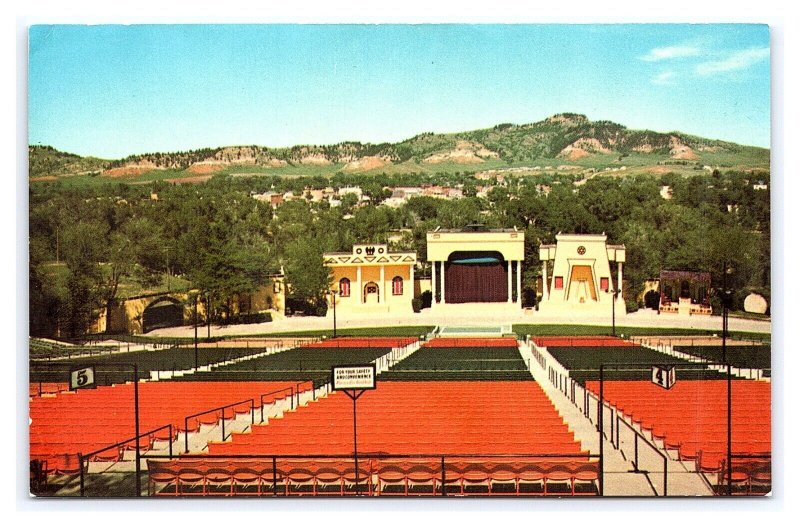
(164, 312)
(371, 293)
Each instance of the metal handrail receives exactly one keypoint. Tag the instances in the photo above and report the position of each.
(290, 389)
(83, 457)
(186, 419)
(636, 436)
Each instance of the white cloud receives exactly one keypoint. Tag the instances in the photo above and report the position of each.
(738, 60)
(665, 77)
(671, 52)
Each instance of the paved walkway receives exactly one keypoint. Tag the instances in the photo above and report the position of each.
(645, 318)
(620, 478)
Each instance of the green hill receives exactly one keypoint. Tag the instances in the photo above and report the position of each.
(46, 161)
(566, 140)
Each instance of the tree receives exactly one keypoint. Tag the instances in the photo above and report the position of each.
(232, 269)
(84, 295)
(308, 277)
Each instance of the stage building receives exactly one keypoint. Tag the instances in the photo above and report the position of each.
(685, 292)
(577, 275)
(476, 265)
(371, 280)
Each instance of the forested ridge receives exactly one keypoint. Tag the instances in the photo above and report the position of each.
(221, 240)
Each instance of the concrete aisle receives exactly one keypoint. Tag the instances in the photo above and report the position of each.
(618, 480)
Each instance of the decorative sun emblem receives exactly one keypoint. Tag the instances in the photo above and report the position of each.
(581, 250)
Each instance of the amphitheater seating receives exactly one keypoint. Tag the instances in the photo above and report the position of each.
(583, 362)
(739, 356)
(82, 422)
(308, 363)
(48, 349)
(156, 360)
(691, 418)
(362, 342)
(414, 438)
(462, 359)
(36, 389)
(582, 341)
(511, 476)
(472, 342)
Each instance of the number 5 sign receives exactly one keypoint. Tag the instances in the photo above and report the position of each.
(82, 378)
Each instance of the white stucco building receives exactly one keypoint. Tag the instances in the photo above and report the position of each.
(577, 274)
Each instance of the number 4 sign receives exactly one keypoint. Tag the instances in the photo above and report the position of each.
(664, 376)
(82, 378)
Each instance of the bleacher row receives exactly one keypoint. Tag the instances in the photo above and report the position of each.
(450, 419)
(583, 362)
(758, 357)
(46, 349)
(307, 362)
(414, 476)
(691, 419)
(595, 341)
(363, 342)
(462, 359)
(108, 370)
(83, 422)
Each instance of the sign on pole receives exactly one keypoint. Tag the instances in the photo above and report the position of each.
(361, 377)
(81, 378)
(664, 376)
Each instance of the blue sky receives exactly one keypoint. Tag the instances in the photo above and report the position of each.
(112, 91)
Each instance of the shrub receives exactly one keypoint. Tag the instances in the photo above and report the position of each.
(248, 318)
(416, 304)
(631, 306)
(426, 298)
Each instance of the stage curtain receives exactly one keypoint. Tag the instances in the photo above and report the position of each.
(476, 282)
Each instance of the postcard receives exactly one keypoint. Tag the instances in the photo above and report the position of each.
(437, 260)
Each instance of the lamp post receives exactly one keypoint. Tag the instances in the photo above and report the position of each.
(208, 314)
(727, 300)
(195, 331)
(333, 301)
(614, 311)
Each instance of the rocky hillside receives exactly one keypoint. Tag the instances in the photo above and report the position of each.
(571, 137)
(47, 162)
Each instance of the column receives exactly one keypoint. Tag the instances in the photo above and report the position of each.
(358, 285)
(545, 292)
(411, 279)
(619, 279)
(382, 290)
(443, 289)
(433, 282)
(519, 283)
(510, 271)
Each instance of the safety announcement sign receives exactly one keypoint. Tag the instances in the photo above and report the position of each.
(360, 377)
